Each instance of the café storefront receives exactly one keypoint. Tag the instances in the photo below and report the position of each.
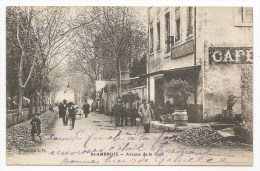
(212, 81)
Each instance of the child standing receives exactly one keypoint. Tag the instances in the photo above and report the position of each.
(36, 127)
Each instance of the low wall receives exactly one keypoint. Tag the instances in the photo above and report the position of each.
(141, 91)
(11, 116)
(18, 137)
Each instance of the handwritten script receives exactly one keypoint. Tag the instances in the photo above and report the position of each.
(127, 149)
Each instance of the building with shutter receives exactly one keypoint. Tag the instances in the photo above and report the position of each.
(209, 47)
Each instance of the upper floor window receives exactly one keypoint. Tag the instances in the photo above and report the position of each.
(244, 16)
(177, 25)
(151, 39)
(158, 35)
(190, 21)
(167, 31)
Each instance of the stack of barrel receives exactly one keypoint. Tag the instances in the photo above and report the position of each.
(180, 117)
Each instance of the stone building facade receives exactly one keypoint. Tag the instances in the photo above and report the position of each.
(206, 46)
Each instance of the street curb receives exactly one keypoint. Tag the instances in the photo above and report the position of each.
(157, 125)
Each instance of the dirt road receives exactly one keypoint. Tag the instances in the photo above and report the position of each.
(96, 141)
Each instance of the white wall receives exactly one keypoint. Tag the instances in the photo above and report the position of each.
(221, 80)
(152, 88)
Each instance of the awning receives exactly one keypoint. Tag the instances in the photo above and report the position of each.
(151, 74)
(183, 69)
(190, 68)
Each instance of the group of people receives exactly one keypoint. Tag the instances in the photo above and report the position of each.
(122, 110)
(146, 111)
(68, 112)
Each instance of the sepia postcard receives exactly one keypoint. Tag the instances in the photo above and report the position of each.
(131, 86)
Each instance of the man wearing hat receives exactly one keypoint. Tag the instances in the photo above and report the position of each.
(118, 111)
(60, 109)
(86, 107)
(72, 114)
(146, 113)
(63, 111)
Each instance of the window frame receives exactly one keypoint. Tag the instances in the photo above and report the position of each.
(167, 30)
(176, 30)
(190, 20)
(243, 14)
(151, 32)
(158, 29)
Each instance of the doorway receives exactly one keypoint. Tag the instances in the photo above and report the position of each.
(159, 93)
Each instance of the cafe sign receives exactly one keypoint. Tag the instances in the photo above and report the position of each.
(230, 55)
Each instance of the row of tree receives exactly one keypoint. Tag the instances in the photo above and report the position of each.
(36, 47)
(111, 40)
(46, 45)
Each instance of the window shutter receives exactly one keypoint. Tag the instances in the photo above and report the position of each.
(239, 15)
(190, 21)
(151, 39)
(249, 15)
(158, 35)
(177, 13)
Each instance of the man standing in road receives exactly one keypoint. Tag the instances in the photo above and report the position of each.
(72, 115)
(123, 114)
(63, 109)
(60, 109)
(86, 107)
(131, 112)
(117, 111)
(146, 112)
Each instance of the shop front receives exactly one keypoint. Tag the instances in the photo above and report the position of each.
(189, 74)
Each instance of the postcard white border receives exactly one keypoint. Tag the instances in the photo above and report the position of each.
(253, 3)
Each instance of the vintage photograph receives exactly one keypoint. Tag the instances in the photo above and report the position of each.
(125, 85)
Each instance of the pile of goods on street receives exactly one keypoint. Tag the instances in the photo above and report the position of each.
(19, 136)
(201, 136)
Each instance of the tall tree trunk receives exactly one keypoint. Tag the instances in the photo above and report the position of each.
(11, 104)
(53, 95)
(43, 103)
(20, 102)
(21, 86)
(31, 106)
(39, 101)
(48, 99)
(36, 103)
(118, 79)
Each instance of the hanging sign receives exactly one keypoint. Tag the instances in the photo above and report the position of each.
(183, 50)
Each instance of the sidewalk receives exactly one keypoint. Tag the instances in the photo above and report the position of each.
(174, 128)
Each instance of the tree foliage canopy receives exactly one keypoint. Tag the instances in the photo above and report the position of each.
(109, 41)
